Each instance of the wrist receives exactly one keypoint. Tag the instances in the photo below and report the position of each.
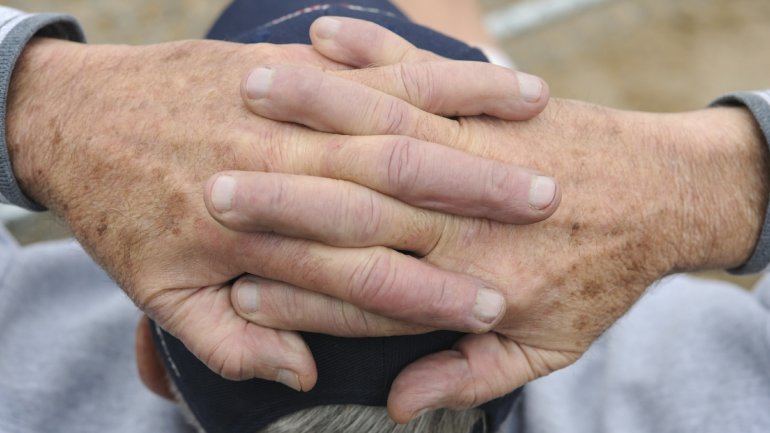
(38, 106)
(19, 29)
(722, 184)
(56, 94)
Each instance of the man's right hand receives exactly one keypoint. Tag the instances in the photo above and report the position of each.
(119, 142)
(645, 195)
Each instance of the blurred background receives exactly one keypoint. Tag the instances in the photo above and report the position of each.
(635, 54)
(644, 54)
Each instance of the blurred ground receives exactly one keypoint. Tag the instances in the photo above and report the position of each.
(636, 54)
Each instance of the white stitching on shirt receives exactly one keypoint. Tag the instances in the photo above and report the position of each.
(323, 7)
(166, 352)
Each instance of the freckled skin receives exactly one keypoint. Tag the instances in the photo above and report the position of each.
(119, 141)
(644, 195)
(631, 213)
(566, 279)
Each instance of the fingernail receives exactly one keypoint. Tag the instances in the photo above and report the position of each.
(326, 28)
(248, 296)
(542, 192)
(222, 193)
(530, 87)
(259, 82)
(489, 305)
(289, 379)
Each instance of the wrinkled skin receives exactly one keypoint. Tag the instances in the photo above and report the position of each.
(119, 141)
(644, 195)
(127, 190)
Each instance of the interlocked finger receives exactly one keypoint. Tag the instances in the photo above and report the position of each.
(393, 100)
(479, 369)
(329, 211)
(204, 319)
(458, 88)
(328, 103)
(363, 44)
(422, 174)
(278, 305)
(378, 280)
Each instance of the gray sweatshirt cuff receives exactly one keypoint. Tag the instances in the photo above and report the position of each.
(16, 29)
(759, 105)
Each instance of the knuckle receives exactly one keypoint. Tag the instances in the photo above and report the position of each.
(265, 145)
(308, 86)
(404, 163)
(442, 298)
(419, 85)
(366, 217)
(371, 283)
(230, 370)
(288, 307)
(277, 196)
(276, 307)
(220, 360)
(499, 184)
(396, 115)
(443, 304)
(469, 399)
(369, 49)
(424, 231)
(473, 394)
(336, 160)
(350, 321)
(267, 53)
(356, 219)
(431, 128)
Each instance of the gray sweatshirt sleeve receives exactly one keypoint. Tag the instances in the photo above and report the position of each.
(759, 105)
(16, 29)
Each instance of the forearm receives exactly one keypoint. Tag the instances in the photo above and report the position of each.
(17, 29)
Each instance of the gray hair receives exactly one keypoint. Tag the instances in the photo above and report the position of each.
(357, 419)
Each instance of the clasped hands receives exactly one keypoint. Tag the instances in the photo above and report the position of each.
(564, 280)
(352, 282)
(369, 213)
(553, 277)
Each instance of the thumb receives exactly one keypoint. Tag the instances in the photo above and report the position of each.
(206, 322)
(481, 368)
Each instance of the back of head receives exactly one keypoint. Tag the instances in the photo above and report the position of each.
(350, 396)
(357, 419)
(374, 419)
